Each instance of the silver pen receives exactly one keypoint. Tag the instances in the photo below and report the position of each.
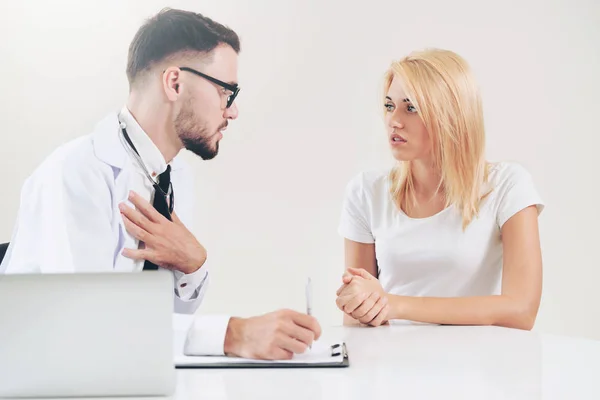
(309, 301)
(309, 297)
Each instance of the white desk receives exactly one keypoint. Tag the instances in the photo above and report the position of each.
(421, 362)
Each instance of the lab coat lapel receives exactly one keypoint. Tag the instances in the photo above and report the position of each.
(109, 149)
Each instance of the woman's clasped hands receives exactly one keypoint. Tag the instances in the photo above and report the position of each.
(362, 298)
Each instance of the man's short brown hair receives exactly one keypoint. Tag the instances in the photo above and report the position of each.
(175, 31)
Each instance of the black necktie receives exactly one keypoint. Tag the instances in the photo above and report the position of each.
(161, 203)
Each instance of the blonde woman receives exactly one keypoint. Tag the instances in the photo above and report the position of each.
(445, 237)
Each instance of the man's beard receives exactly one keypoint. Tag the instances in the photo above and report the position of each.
(194, 133)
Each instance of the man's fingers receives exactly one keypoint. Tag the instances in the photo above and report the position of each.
(135, 216)
(280, 353)
(141, 254)
(374, 311)
(307, 321)
(288, 343)
(355, 302)
(301, 334)
(137, 254)
(175, 218)
(145, 208)
(135, 230)
(366, 306)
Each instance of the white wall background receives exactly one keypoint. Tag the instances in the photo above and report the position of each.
(310, 72)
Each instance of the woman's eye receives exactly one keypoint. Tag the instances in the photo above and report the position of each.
(411, 109)
(389, 107)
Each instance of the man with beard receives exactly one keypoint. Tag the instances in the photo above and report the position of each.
(120, 198)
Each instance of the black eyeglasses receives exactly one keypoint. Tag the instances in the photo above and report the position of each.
(234, 89)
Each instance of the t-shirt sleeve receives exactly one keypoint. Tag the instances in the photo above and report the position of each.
(517, 192)
(355, 217)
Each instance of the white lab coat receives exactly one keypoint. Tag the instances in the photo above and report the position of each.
(69, 220)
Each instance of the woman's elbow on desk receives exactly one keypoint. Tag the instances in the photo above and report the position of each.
(518, 314)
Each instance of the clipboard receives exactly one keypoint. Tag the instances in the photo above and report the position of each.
(338, 359)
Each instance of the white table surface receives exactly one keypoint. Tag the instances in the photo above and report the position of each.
(421, 362)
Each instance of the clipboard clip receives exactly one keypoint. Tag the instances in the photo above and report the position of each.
(339, 349)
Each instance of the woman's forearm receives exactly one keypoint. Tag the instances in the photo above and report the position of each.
(498, 310)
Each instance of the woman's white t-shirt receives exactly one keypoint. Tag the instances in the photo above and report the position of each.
(433, 256)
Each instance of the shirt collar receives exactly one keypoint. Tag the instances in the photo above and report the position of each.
(150, 154)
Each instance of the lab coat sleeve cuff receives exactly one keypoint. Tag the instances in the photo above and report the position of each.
(206, 336)
(188, 286)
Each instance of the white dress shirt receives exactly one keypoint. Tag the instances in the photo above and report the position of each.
(188, 286)
(69, 219)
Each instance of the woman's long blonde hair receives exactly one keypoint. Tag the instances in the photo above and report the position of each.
(441, 87)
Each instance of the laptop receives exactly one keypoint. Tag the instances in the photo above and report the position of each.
(87, 334)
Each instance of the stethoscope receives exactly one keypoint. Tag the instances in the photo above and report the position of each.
(128, 144)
